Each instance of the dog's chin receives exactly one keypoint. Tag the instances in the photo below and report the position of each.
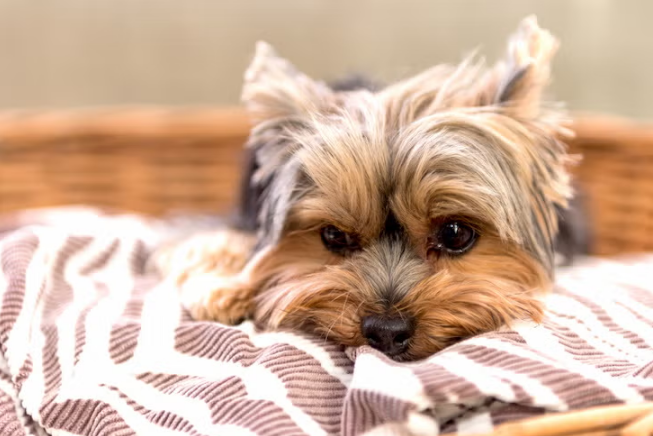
(450, 309)
(446, 308)
(321, 303)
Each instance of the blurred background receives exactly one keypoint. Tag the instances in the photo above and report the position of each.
(80, 53)
(132, 104)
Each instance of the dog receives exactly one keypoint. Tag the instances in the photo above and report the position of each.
(405, 218)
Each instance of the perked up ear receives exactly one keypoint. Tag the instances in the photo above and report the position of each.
(514, 85)
(525, 72)
(280, 99)
(274, 88)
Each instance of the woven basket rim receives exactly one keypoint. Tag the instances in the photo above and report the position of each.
(134, 121)
(591, 129)
(600, 130)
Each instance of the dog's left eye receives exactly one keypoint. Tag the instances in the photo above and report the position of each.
(454, 237)
(338, 241)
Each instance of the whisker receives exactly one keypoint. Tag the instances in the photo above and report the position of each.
(326, 336)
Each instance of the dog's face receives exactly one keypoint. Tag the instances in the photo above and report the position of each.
(411, 217)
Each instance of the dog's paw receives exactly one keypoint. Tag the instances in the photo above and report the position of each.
(211, 297)
(206, 271)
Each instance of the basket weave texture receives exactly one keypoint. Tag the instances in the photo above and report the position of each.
(154, 160)
(616, 172)
(141, 160)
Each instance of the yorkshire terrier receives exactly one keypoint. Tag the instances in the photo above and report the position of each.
(406, 218)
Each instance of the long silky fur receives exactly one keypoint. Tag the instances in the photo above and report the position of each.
(467, 142)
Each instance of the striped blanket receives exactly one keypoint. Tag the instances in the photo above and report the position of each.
(91, 345)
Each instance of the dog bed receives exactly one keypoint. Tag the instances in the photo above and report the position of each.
(91, 344)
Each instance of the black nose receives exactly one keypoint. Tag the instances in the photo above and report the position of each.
(390, 335)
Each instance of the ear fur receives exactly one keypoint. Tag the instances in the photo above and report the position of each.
(514, 86)
(279, 99)
(526, 70)
(274, 88)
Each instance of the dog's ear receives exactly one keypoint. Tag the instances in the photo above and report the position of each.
(517, 82)
(274, 88)
(513, 86)
(281, 102)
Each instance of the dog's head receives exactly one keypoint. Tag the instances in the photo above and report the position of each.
(413, 216)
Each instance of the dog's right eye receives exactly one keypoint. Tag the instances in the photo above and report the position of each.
(338, 241)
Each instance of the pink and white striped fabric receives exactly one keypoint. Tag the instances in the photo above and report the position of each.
(91, 345)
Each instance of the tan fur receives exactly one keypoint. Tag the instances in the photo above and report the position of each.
(467, 143)
(209, 270)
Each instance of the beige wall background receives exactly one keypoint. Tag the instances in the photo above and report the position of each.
(72, 53)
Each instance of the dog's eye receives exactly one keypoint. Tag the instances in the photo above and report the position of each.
(337, 241)
(455, 237)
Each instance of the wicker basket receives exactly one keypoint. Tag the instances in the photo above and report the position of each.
(142, 160)
(617, 173)
(151, 160)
